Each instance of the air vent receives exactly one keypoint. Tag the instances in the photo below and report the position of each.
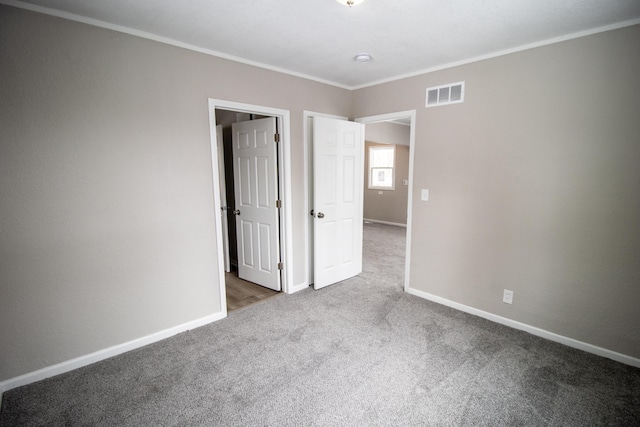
(452, 93)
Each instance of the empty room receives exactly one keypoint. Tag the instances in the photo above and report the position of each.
(444, 198)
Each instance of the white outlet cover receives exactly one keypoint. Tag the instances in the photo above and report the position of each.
(424, 195)
(507, 296)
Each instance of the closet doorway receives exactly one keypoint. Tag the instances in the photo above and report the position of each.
(252, 245)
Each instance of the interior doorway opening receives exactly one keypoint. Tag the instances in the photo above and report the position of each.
(240, 292)
(404, 118)
(223, 114)
(391, 129)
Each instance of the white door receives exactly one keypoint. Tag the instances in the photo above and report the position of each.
(256, 192)
(223, 198)
(338, 179)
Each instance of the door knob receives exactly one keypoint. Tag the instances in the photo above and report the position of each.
(312, 213)
(236, 212)
(320, 215)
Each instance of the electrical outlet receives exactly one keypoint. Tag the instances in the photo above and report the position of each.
(507, 296)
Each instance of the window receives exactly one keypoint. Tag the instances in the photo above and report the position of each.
(381, 167)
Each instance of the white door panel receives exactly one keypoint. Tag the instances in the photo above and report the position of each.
(338, 179)
(256, 192)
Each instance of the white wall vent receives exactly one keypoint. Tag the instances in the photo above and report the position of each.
(453, 93)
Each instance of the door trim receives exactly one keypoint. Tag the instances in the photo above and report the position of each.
(223, 197)
(283, 118)
(412, 139)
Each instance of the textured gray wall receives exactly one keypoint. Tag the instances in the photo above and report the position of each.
(534, 186)
(106, 214)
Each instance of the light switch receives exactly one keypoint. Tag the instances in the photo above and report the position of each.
(405, 182)
(424, 195)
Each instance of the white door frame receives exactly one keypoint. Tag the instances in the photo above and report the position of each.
(284, 177)
(412, 138)
(223, 198)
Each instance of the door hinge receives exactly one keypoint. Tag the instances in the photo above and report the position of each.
(276, 137)
(278, 204)
(280, 266)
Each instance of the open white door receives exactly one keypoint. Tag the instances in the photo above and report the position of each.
(223, 198)
(338, 180)
(256, 193)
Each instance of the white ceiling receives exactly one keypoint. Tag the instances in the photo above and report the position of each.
(319, 38)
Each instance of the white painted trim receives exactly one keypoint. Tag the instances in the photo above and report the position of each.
(286, 221)
(287, 205)
(396, 224)
(504, 52)
(589, 348)
(307, 190)
(161, 39)
(222, 290)
(412, 143)
(106, 353)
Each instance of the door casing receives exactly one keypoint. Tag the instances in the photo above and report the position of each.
(223, 199)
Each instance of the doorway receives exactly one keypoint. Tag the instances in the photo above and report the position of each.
(405, 117)
(247, 284)
(221, 111)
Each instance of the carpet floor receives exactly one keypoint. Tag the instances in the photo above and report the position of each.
(360, 352)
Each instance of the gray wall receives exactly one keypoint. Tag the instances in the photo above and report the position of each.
(388, 205)
(106, 214)
(534, 186)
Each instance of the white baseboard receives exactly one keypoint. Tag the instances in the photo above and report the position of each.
(106, 353)
(397, 224)
(589, 348)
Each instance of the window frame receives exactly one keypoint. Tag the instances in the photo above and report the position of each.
(370, 167)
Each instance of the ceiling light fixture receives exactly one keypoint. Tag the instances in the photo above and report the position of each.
(350, 2)
(362, 57)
